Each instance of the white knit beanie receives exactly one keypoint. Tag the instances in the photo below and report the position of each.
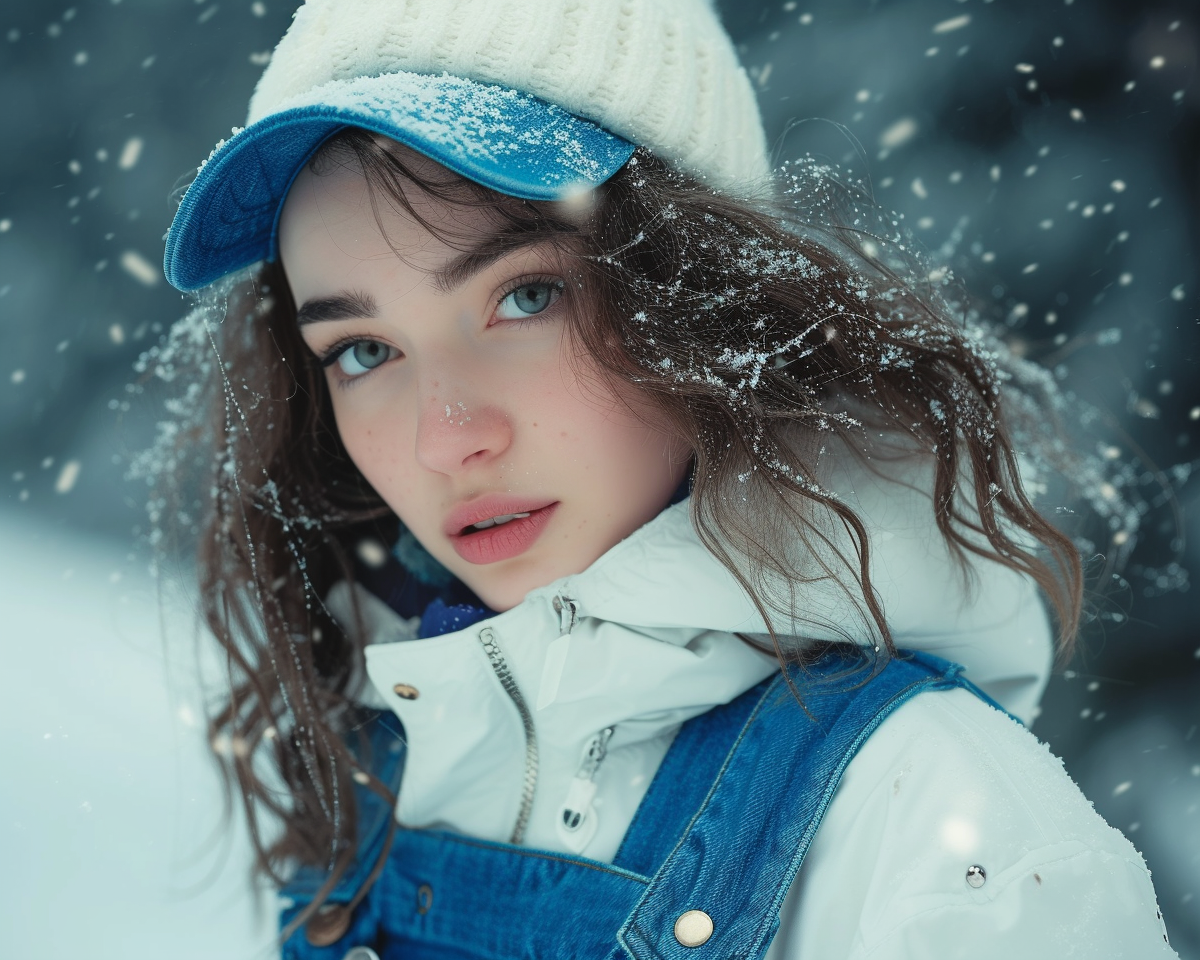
(660, 73)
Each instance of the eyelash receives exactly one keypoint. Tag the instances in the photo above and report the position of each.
(334, 352)
(533, 318)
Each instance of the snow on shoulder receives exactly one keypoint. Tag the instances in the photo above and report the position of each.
(955, 829)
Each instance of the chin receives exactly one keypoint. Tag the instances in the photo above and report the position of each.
(498, 591)
(504, 591)
(501, 598)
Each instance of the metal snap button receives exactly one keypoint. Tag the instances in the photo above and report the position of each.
(976, 875)
(361, 953)
(328, 925)
(406, 691)
(693, 928)
(424, 898)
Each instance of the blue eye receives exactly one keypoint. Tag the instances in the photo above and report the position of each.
(529, 299)
(362, 356)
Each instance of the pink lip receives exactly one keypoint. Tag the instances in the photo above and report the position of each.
(501, 542)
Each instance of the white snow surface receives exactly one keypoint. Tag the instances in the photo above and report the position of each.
(111, 818)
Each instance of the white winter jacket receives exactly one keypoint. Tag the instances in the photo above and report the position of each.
(644, 639)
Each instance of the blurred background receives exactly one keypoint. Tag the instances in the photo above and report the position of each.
(1047, 150)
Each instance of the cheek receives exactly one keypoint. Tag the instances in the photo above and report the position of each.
(375, 439)
(615, 437)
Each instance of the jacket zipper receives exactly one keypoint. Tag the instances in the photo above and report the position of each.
(596, 752)
(568, 614)
(567, 617)
(487, 637)
(578, 805)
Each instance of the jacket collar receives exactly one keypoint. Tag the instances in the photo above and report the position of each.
(641, 641)
(653, 643)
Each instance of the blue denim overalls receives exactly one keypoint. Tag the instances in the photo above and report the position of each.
(703, 869)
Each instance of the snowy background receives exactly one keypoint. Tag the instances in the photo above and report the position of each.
(1047, 150)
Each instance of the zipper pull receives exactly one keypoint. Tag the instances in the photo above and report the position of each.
(566, 609)
(596, 752)
(556, 653)
(578, 820)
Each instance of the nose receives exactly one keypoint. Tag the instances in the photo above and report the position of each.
(455, 431)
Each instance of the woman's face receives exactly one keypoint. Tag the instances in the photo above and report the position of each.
(457, 392)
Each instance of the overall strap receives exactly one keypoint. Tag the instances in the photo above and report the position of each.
(692, 764)
(742, 849)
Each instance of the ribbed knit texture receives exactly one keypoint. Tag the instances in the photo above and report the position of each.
(661, 73)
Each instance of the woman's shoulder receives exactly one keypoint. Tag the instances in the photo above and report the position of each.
(950, 752)
(953, 829)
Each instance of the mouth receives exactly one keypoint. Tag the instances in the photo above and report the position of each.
(493, 522)
(497, 535)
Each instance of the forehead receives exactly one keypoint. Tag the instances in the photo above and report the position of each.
(341, 227)
(341, 192)
(335, 209)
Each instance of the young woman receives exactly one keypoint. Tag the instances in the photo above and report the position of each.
(687, 478)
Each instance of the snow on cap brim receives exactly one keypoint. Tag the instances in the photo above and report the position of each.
(513, 142)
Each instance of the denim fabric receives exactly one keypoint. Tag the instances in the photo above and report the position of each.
(723, 828)
(513, 142)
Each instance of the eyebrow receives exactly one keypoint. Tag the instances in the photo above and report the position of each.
(351, 305)
(348, 305)
(493, 247)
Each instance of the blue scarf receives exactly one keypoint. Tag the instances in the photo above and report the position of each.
(439, 617)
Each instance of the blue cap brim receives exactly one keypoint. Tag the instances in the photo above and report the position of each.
(512, 142)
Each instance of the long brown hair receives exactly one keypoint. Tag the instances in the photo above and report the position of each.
(760, 329)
